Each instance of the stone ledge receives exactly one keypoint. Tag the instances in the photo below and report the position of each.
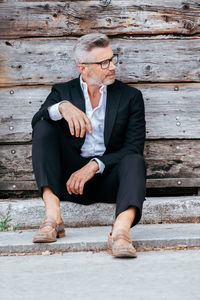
(30, 213)
(144, 237)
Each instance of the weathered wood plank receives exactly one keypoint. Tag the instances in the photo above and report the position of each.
(173, 159)
(59, 18)
(46, 61)
(172, 111)
(169, 163)
(16, 163)
(151, 183)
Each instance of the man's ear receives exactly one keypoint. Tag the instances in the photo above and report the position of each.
(82, 68)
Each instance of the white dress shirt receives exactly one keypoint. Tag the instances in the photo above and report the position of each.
(94, 142)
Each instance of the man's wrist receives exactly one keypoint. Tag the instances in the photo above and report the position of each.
(95, 165)
(61, 105)
(100, 164)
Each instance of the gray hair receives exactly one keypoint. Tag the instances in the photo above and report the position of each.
(86, 43)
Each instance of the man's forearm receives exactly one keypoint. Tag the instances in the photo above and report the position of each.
(77, 180)
(55, 112)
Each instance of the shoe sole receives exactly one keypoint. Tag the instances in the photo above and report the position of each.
(43, 240)
(61, 234)
(124, 254)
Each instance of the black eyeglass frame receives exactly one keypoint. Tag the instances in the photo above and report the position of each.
(100, 62)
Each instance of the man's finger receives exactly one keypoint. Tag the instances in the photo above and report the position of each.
(89, 124)
(68, 187)
(83, 127)
(77, 127)
(81, 187)
(71, 126)
(70, 184)
(76, 186)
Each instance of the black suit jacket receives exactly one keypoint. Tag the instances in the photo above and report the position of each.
(124, 128)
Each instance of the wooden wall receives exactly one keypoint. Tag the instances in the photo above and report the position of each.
(159, 49)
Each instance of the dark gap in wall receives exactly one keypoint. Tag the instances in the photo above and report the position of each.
(172, 191)
(172, 35)
(151, 192)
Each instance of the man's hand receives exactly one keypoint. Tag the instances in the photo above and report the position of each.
(77, 180)
(77, 120)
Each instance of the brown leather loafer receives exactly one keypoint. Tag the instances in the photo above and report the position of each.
(49, 231)
(121, 250)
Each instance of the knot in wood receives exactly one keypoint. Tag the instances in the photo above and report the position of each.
(104, 2)
(109, 20)
(46, 7)
(148, 68)
(166, 18)
(186, 6)
(189, 25)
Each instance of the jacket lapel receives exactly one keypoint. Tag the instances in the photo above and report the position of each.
(77, 98)
(112, 103)
(77, 94)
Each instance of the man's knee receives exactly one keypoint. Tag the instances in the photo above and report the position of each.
(132, 165)
(133, 159)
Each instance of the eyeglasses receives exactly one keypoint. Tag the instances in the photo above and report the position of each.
(104, 63)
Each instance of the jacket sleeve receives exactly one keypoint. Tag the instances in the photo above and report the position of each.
(134, 134)
(43, 114)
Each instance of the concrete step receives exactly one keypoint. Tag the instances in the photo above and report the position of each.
(144, 237)
(30, 213)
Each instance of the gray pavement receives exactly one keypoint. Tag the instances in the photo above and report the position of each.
(144, 237)
(161, 275)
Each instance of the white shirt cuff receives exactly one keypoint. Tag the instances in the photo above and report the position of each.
(101, 165)
(54, 113)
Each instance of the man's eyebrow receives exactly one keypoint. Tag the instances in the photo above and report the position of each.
(107, 58)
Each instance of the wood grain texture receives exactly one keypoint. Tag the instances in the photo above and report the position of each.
(172, 111)
(46, 61)
(59, 18)
(173, 159)
(151, 183)
(169, 163)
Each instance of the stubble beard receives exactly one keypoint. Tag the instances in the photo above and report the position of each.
(99, 82)
(109, 81)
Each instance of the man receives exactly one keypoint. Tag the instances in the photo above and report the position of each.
(88, 140)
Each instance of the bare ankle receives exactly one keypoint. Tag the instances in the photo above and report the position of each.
(54, 213)
(118, 228)
(52, 205)
(124, 220)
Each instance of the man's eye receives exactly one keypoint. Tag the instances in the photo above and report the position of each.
(105, 62)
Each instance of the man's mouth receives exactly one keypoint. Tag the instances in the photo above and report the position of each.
(112, 74)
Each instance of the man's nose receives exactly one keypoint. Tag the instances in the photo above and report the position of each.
(112, 66)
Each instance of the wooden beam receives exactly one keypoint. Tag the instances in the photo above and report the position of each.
(46, 61)
(151, 183)
(61, 18)
(169, 164)
(169, 111)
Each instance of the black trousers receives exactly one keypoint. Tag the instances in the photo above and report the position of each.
(55, 158)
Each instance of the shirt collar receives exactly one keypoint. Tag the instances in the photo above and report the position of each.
(84, 86)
